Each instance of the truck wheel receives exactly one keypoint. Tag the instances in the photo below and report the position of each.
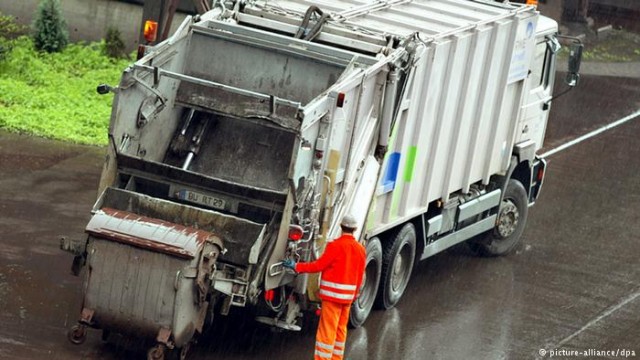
(510, 223)
(398, 257)
(361, 308)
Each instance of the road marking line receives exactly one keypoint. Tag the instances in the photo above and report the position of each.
(603, 315)
(591, 134)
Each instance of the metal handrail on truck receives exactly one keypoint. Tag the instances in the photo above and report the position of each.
(159, 72)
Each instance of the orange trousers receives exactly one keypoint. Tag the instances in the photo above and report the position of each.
(332, 331)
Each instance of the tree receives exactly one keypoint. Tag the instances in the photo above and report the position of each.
(113, 45)
(49, 28)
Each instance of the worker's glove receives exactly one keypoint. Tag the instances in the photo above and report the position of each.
(289, 264)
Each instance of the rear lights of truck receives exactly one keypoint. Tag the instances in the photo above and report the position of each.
(540, 174)
(295, 232)
(340, 102)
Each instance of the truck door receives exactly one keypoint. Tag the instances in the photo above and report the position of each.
(539, 88)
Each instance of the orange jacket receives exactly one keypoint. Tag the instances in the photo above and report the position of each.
(342, 265)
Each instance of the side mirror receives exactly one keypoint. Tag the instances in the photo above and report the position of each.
(575, 58)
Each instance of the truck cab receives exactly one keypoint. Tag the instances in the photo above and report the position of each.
(535, 109)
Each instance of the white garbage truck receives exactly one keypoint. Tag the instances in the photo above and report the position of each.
(243, 138)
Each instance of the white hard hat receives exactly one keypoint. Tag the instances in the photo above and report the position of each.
(349, 221)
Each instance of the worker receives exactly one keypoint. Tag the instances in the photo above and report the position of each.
(342, 266)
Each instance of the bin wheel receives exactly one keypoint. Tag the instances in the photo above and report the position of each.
(157, 352)
(77, 334)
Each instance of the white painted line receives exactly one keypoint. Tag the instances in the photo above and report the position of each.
(605, 314)
(591, 134)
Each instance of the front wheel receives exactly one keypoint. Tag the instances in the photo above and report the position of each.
(512, 217)
(398, 257)
(361, 308)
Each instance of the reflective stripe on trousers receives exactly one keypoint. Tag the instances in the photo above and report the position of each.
(332, 331)
(323, 351)
(338, 348)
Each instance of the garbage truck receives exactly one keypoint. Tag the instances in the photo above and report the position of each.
(243, 138)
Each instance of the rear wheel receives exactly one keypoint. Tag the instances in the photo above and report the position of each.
(512, 217)
(398, 257)
(361, 308)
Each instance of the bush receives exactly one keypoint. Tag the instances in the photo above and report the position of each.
(49, 28)
(9, 30)
(113, 45)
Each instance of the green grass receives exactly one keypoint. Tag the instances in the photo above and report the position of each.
(619, 46)
(53, 95)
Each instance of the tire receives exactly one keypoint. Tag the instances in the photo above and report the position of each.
(361, 308)
(398, 257)
(512, 217)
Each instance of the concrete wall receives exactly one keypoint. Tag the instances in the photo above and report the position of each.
(88, 20)
(551, 8)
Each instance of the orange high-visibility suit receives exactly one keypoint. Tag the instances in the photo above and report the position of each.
(342, 265)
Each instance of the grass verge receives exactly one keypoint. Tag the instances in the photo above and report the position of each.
(53, 95)
(617, 46)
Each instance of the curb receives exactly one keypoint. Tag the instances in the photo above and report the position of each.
(615, 69)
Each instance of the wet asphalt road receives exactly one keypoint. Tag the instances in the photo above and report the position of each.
(573, 285)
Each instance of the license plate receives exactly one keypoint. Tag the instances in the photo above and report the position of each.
(206, 200)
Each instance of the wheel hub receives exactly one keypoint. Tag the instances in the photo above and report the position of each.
(398, 272)
(508, 219)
